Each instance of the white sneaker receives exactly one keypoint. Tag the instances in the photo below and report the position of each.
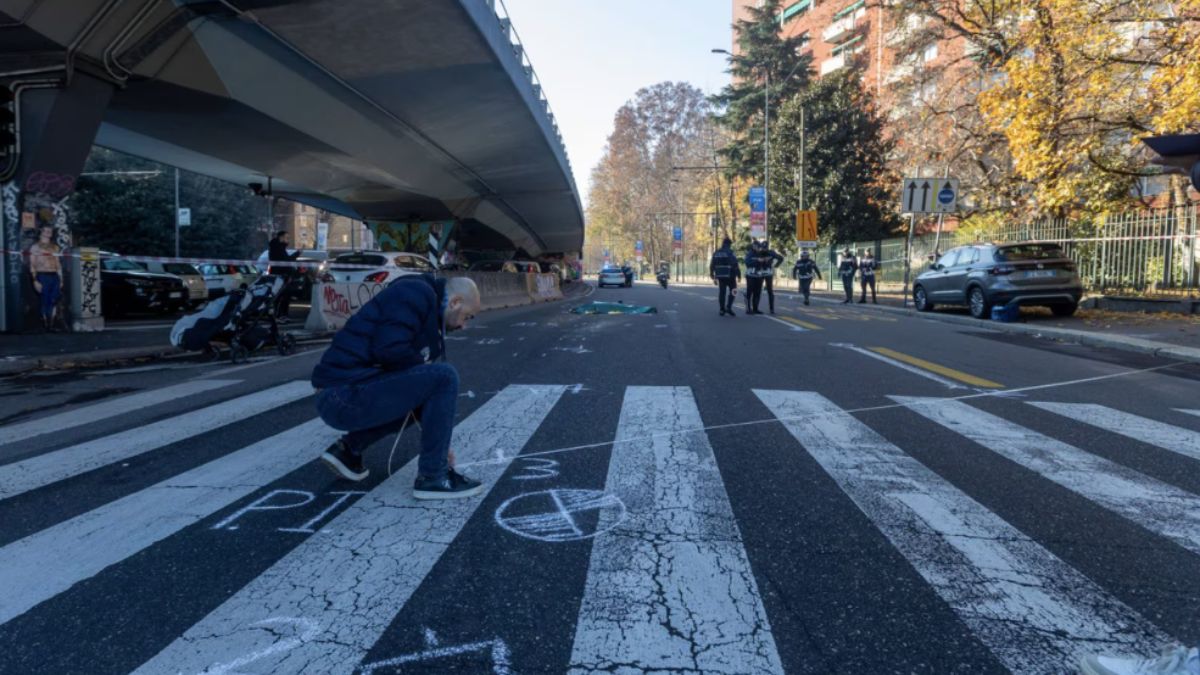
(1177, 661)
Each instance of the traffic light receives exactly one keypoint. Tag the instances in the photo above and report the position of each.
(8, 121)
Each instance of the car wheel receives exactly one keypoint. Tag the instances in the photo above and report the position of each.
(237, 352)
(287, 345)
(921, 299)
(978, 303)
(1064, 310)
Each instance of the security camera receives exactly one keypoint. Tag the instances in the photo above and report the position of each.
(256, 188)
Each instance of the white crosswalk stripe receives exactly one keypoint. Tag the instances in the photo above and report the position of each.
(81, 547)
(348, 583)
(1188, 412)
(1169, 437)
(99, 411)
(51, 467)
(676, 566)
(1161, 508)
(1034, 612)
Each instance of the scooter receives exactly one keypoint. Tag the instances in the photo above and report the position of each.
(662, 279)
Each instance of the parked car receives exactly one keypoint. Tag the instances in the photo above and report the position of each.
(192, 278)
(222, 279)
(375, 267)
(611, 276)
(981, 276)
(126, 287)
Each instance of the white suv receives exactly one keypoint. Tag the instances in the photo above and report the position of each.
(374, 267)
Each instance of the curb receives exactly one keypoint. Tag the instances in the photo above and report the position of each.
(1086, 338)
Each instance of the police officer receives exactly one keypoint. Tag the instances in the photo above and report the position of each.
(846, 269)
(754, 277)
(768, 260)
(803, 270)
(866, 273)
(725, 272)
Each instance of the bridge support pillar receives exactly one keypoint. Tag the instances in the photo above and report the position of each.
(57, 125)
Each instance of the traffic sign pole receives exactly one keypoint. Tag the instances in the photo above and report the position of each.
(912, 225)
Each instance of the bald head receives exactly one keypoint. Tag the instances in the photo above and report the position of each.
(462, 302)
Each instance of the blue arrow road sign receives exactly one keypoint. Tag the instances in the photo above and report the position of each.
(679, 234)
(758, 199)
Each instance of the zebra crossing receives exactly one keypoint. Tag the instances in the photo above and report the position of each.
(671, 583)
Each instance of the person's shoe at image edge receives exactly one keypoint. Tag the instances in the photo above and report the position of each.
(451, 486)
(344, 463)
(1176, 661)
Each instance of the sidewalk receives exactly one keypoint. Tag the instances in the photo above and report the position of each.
(1174, 336)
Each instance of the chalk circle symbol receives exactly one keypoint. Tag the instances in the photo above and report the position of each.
(561, 515)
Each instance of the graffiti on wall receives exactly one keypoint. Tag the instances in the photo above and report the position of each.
(89, 284)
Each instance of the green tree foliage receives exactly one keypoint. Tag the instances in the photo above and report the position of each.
(846, 177)
(132, 214)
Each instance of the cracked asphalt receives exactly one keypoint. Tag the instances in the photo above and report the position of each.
(781, 513)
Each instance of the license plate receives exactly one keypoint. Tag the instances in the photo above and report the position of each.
(1039, 274)
(176, 294)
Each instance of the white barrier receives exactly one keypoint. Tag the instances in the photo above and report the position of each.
(334, 303)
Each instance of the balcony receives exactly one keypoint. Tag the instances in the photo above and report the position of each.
(900, 72)
(836, 63)
(843, 27)
(912, 23)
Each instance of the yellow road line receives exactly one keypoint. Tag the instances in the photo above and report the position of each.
(802, 324)
(935, 368)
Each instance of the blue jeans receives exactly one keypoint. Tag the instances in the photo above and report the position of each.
(377, 407)
(51, 289)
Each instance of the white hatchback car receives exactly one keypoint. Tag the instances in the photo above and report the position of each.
(374, 267)
(224, 279)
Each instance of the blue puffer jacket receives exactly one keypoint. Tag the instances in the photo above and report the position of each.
(400, 328)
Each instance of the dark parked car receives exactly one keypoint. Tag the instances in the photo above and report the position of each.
(981, 276)
(125, 287)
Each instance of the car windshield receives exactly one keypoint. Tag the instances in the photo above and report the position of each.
(412, 262)
(121, 265)
(1029, 252)
(180, 268)
(361, 259)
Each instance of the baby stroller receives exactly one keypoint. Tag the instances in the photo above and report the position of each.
(243, 319)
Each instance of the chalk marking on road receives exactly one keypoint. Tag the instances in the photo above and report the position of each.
(263, 503)
(495, 648)
(99, 411)
(790, 326)
(899, 364)
(232, 668)
(574, 350)
(965, 378)
(538, 469)
(307, 527)
(676, 568)
(1166, 436)
(355, 577)
(1159, 507)
(489, 341)
(51, 561)
(550, 515)
(1036, 613)
(879, 408)
(1188, 412)
(51, 467)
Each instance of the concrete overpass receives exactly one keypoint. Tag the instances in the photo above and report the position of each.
(388, 110)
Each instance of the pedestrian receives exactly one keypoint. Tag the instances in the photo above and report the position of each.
(389, 360)
(277, 251)
(846, 269)
(866, 273)
(755, 273)
(803, 271)
(725, 272)
(1177, 660)
(45, 265)
(768, 260)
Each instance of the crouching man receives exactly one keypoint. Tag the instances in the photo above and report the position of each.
(389, 360)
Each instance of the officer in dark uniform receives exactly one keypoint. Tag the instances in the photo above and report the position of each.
(768, 260)
(846, 270)
(725, 272)
(866, 273)
(803, 270)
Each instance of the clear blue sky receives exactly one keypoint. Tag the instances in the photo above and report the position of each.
(593, 55)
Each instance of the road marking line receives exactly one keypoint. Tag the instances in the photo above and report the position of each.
(53, 560)
(94, 413)
(1188, 412)
(670, 588)
(1169, 437)
(802, 324)
(1159, 507)
(790, 326)
(899, 364)
(51, 467)
(353, 577)
(965, 378)
(1035, 612)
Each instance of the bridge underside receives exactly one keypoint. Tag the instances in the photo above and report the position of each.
(387, 110)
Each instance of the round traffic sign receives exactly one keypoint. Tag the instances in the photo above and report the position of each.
(946, 196)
